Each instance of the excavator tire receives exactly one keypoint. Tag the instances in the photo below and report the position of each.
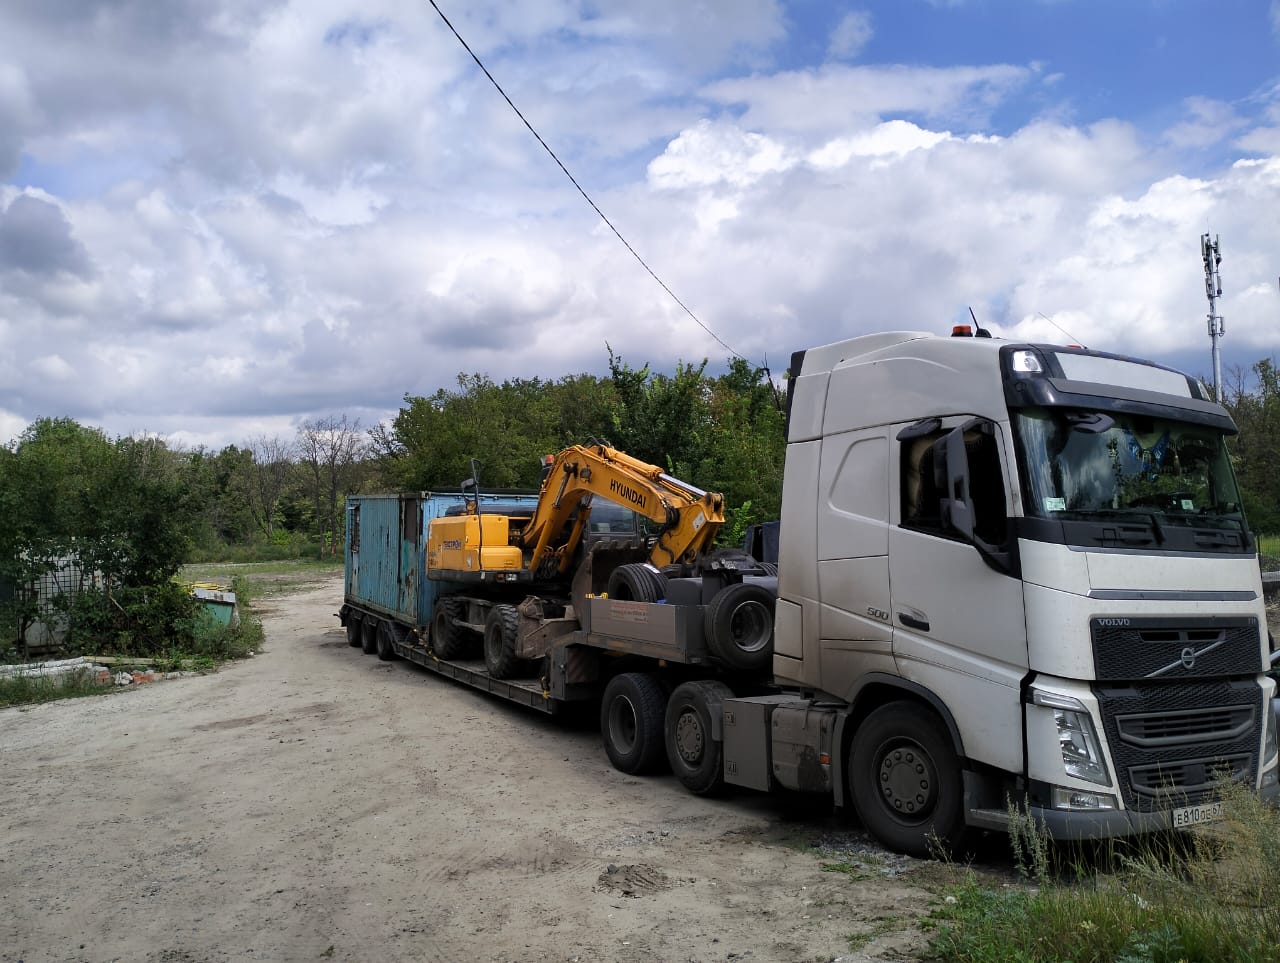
(739, 626)
(637, 582)
(500, 631)
(448, 640)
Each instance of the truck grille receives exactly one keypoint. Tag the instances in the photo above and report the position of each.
(1125, 649)
(1170, 742)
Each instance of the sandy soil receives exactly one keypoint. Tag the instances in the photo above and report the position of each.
(314, 803)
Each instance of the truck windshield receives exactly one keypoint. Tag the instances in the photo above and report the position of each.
(1082, 465)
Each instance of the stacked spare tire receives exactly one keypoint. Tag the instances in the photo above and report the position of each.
(737, 593)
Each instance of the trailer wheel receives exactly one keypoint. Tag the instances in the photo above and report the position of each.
(353, 630)
(904, 777)
(637, 582)
(383, 642)
(447, 638)
(769, 568)
(739, 626)
(500, 630)
(631, 722)
(368, 635)
(696, 758)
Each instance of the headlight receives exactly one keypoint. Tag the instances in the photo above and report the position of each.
(1078, 740)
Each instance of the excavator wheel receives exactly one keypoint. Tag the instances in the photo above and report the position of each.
(637, 582)
(500, 631)
(739, 626)
(447, 639)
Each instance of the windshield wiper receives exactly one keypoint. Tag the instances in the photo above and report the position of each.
(1156, 527)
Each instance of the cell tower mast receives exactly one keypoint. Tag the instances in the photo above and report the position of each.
(1212, 254)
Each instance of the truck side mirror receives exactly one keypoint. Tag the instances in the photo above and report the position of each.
(957, 506)
(955, 480)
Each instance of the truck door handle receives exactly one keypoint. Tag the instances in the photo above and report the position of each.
(920, 625)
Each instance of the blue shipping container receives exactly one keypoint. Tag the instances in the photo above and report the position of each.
(387, 545)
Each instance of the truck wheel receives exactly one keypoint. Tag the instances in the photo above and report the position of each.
(904, 777)
(383, 642)
(637, 582)
(739, 626)
(631, 722)
(500, 630)
(696, 758)
(368, 635)
(353, 630)
(448, 639)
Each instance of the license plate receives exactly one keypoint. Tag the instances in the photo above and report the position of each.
(1197, 815)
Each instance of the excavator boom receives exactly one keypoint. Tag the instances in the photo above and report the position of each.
(688, 518)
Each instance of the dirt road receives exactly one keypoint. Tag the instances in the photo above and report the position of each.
(313, 803)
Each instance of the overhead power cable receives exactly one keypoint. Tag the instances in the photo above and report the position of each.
(575, 183)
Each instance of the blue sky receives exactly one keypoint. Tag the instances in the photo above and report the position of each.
(221, 217)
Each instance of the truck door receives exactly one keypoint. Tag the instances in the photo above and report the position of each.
(959, 627)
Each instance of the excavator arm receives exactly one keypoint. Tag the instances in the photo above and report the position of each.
(688, 518)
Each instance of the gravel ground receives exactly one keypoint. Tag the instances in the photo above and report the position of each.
(312, 803)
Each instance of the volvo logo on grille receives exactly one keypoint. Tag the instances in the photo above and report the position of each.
(1114, 623)
(1187, 658)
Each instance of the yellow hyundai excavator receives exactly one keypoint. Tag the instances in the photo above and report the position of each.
(521, 580)
(541, 548)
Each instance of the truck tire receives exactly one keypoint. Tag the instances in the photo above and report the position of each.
(448, 640)
(696, 758)
(500, 630)
(368, 635)
(904, 777)
(631, 716)
(383, 642)
(739, 626)
(353, 630)
(637, 582)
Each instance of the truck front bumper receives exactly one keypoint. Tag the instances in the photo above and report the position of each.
(1080, 825)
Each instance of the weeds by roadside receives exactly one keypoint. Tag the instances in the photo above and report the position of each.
(1208, 897)
(29, 690)
(207, 642)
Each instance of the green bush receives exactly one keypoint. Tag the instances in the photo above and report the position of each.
(142, 620)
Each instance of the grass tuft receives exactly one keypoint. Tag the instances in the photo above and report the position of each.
(29, 690)
(1209, 896)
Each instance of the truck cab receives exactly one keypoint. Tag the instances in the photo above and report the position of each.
(1017, 573)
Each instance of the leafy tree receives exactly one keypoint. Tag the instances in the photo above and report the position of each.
(122, 511)
(1254, 402)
